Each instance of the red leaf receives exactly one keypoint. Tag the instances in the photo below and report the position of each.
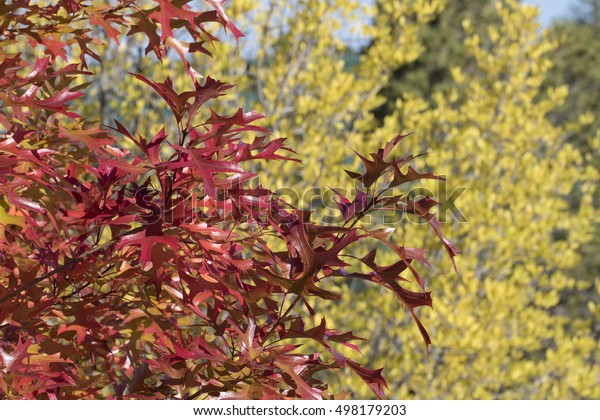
(218, 5)
(22, 202)
(59, 99)
(205, 166)
(411, 175)
(12, 361)
(39, 68)
(97, 18)
(54, 103)
(167, 11)
(93, 138)
(389, 146)
(56, 48)
(295, 366)
(421, 209)
(146, 243)
(372, 378)
(373, 169)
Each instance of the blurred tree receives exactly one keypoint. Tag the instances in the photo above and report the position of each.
(577, 65)
(503, 331)
(443, 48)
(587, 11)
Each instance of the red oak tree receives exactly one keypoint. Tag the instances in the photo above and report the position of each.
(156, 270)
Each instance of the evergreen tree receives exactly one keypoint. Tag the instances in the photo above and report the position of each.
(443, 48)
(577, 65)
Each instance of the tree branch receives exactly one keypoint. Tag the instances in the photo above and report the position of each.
(69, 264)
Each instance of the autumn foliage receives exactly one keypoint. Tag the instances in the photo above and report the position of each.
(147, 265)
